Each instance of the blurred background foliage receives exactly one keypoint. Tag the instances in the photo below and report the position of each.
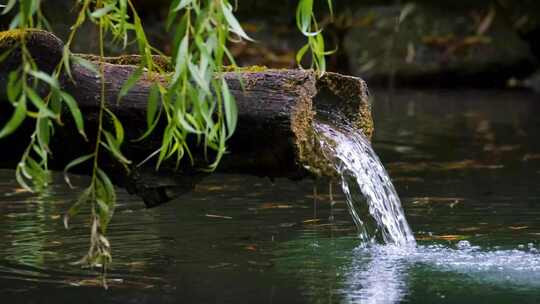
(483, 43)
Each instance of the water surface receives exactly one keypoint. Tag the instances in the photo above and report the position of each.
(466, 166)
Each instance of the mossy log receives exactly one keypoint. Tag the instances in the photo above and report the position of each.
(274, 137)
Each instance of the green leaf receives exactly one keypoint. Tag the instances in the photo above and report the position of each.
(43, 132)
(182, 4)
(107, 203)
(15, 120)
(108, 186)
(9, 6)
(301, 53)
(130, 83)
(73, 164)
(101, 11)
(21, 174)
(14, 87)
(330, 7)
(118, 128)
(181, 59)
(185, 125)
(5, 54)
(199, 78)
(85, 64)
(232, 21)
(114, 148)
(66, 56)
(231, 111)
(53, 82)
(304, 13)
(153, 105)
(75, 112)
(76, 207)
(39, 103)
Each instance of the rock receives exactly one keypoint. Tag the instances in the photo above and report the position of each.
(436, 45)
(533, 82)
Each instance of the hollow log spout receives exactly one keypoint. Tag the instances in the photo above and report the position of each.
(274, 136)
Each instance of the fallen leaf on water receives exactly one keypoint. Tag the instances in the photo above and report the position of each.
(17, 191)
(136, 264)
(426, 200)
(96, 282)
(274, 206)
(446, 237)
(220, 265)
(21, 190)
(529, 156)
(518, 227)
(451, 237)
(287, 225)
(218, 216)
(252, 247)
(468, 229)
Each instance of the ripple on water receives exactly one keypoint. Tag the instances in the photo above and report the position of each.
(381, 273)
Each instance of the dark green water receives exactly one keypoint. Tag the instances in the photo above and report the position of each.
(467, 168)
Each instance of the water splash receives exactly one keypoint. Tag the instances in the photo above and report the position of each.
(380, 274)
(376, 208)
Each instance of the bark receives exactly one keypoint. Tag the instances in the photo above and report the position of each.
(276, 110)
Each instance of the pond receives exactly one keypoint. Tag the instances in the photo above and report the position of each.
(466, 165)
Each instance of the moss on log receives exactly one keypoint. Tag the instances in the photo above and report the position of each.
(274, 136)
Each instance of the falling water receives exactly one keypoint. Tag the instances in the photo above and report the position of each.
(370, 195)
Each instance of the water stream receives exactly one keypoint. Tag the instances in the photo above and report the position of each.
(372, 199)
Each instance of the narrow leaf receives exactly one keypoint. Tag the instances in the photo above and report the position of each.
(15, 120)
(231, 110)
(232, 21)
(75, 112)
(73, 164)
(130, 82)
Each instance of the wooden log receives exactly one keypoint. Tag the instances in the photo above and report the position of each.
(276, 109)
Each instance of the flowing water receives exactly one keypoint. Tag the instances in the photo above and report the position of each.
(366, 185)
(466, 166)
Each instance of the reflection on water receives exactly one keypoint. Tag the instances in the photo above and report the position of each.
(466, 167)
(379, 274)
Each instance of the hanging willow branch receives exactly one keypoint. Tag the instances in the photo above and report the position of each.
(191, 100)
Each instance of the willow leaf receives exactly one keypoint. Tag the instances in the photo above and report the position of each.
(182, 4)
(15, 121)
(9, 6)
(153, 105)
(76, 207)
(130, 83)
(118, 128)
(53, 82)
(232, 21)
(74, 163)
(75, 112)
(39, 103)
(113, 148)
(100, 12)
(231, 110)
